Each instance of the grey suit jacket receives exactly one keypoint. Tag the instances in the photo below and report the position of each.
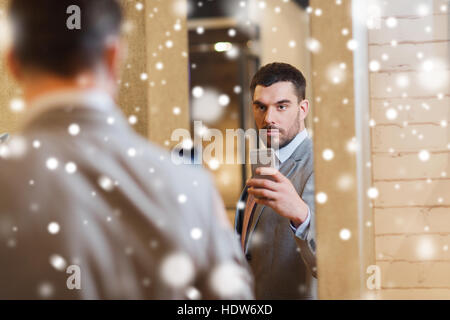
(136, 225)
(283, 263)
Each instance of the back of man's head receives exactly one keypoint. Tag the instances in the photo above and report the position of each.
(46, 37)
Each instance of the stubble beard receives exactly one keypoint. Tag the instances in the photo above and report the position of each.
(291, 134)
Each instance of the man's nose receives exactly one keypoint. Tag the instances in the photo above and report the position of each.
(269, 117)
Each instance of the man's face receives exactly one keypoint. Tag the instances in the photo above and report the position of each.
(278, 110)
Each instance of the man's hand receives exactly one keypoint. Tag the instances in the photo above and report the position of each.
(280, 195)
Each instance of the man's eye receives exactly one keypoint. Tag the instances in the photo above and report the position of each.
(262, 108)
(283, 107)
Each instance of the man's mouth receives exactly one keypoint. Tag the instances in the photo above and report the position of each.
(272, 132)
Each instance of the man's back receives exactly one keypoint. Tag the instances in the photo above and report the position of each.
(79, 188)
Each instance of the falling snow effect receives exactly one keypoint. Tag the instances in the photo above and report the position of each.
(399, 110)
(177, 270)
(53, 228)
(227, 280)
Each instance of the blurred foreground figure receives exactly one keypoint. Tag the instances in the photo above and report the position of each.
(88, 209)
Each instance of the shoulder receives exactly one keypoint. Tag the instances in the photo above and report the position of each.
(304, 154)
(189, 181)
(173, 169)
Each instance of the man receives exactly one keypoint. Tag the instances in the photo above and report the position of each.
(88, 209)
(276, 225)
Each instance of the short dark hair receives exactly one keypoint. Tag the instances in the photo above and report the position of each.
(279, 72)
(42, 40)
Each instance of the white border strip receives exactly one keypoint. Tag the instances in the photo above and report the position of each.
(362, 130)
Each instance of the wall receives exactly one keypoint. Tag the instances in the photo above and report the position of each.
(410, 111)
(167, 67)
(401, 171)
(337, 217)
(284, 30)
(8, 90)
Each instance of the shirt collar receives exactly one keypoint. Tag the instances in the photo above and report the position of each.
(92, 98)
(286, 152)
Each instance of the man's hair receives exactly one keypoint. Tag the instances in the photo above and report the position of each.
(42, 40)
(279, 72)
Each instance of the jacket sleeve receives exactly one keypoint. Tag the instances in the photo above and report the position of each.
(229, 276)
(306, 237)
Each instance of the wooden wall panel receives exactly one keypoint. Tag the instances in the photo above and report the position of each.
(339, 262)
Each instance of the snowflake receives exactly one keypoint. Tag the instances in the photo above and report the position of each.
(372, 193)
(424, 155)
(169, 44)
(227, 280)
(36, 144)
(52, 163)
(182, 198)
(193, 293)
(144, 76)
(74, 129)
(139, 6)
(176, 111)
(352, 44)
(131, 152)
(45, 290)
(53, 228)
(106, 183)
(345, 234)
(224, 100)
(328, 154)
(196, 233)
(58, 262)
(17, 105)
(321, 197)
(374, 66)
(132, 119)
(177, 270)
(197, 92)
(71, 168)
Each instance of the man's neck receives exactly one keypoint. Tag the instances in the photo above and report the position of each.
(35, 88)
(287, 150)
(293, 138)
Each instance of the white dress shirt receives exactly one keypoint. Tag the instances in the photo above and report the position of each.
(87, 98)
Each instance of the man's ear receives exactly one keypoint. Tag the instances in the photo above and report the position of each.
(13, 65)
(304, 109)
(114, 55)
